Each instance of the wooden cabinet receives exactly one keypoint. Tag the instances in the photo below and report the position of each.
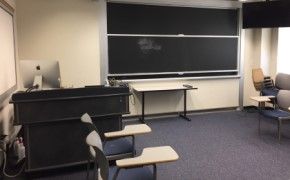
(53, 133)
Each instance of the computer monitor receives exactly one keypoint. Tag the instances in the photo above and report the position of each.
(40, 74)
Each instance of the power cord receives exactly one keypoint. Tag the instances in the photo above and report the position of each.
(4, 166)
(32, 87)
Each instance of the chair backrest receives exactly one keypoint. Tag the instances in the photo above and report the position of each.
(283, 99)
(258, 78)
(94, 142)
(282, 81)
(87, 120)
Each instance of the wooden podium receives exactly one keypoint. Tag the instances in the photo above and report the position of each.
(54, 136)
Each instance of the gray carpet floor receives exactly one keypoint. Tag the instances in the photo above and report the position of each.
(213, 146)
(221, 146)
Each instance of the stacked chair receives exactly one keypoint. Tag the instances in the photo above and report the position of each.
(264, 84)
(277, 93)
(135, 167)
(280, 113)
(282, 81)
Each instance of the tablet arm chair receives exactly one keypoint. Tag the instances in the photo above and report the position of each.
(282, 81)
(101, 164)
(260, 81)
(280, 113)
(136, 168)
(116, 144)
(263, 84)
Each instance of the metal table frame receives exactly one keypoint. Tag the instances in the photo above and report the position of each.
(184, 89)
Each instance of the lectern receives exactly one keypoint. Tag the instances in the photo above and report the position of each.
(53, 133)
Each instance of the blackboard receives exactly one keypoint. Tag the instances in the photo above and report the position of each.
(163, 54)
(145, 19)
(161, 40)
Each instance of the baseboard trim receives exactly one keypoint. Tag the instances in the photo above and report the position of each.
(250, 107)
(130, 118)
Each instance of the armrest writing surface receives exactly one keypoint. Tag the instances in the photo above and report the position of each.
(151, 155)
(262, 98)
(129, 131)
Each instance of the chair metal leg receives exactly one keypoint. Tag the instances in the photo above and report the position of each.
(88, 168)
(275, 103)
(279, 130)
(259, 126)
(116, 174)
(154, 172)
(133, 146)
(260, 107)
(96, 170)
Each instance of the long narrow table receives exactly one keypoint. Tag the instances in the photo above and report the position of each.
(147, 89)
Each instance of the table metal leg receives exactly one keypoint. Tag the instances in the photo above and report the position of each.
(142, 119)
(279, 130)
(184, 116)
(154, 172)
(259, 125)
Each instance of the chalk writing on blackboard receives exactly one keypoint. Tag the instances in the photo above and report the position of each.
(147, 45)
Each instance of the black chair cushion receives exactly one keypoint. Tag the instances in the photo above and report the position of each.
(276, 114)
(141, 173)
(118, 146)
(270, 92)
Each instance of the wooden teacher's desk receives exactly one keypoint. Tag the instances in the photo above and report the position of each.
(54, 136)
(148, 89)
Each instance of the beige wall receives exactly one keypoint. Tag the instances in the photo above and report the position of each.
(260, 51)
(252, 59)
(211, 94)
(63, 30)
(274, 52)
(269, 46)
(69, 31)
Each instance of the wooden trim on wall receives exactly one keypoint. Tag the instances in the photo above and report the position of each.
(7, 6)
